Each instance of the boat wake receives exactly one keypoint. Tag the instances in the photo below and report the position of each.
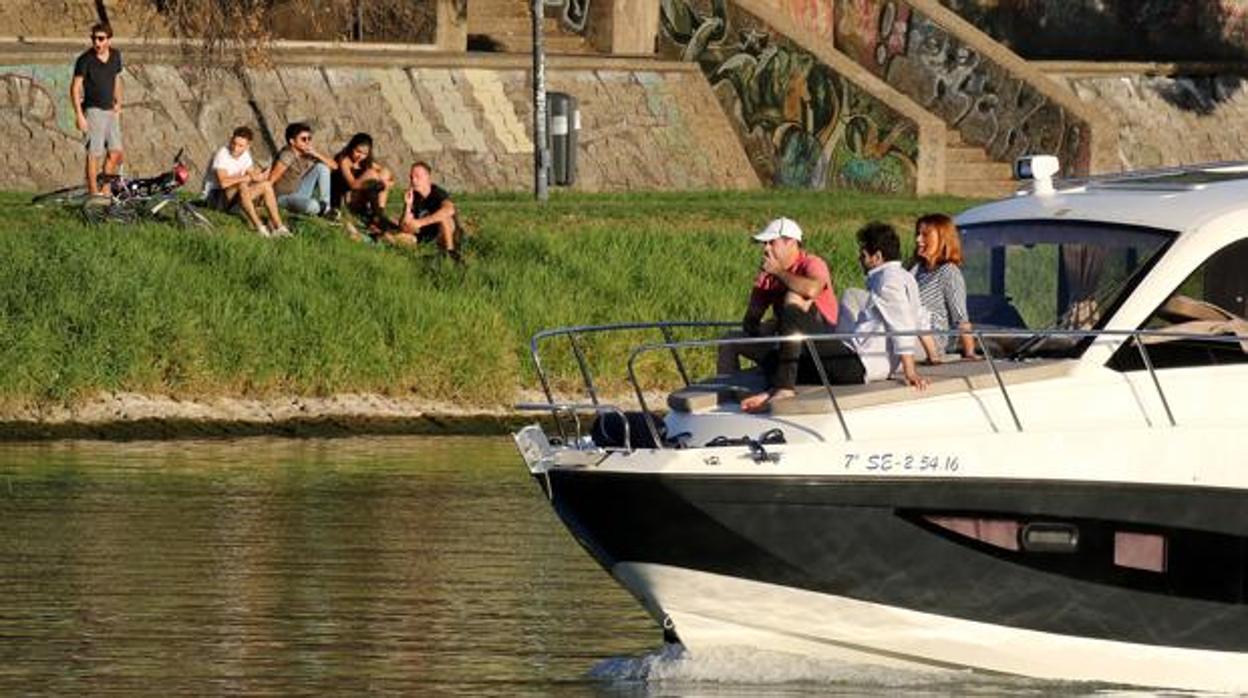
(741, 667)
(745, 671)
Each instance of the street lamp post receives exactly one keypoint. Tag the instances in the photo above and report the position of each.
(541, 154)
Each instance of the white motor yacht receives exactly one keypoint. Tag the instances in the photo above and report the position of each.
(1072, 506)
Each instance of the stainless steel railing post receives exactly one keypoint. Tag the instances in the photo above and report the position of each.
(641, 400)
(823, 377)
(584, 365)
(1000, 382)
(680, 364)
(1148, 364)
(541, 376)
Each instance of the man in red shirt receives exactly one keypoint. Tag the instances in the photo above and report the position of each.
(797, 287)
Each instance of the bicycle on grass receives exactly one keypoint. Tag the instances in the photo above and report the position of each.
(125, 200)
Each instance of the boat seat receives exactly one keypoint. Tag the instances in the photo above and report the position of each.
(951, 377)
(710, 392)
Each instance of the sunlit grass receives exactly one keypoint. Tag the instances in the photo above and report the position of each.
(150, 308)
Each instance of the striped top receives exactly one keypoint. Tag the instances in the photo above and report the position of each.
(943, 293)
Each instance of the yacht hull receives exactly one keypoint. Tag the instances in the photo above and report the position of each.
(712, 611)
(872, 570)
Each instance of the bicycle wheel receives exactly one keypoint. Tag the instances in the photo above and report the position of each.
(188, 218)
(66, 195)
(97, 211)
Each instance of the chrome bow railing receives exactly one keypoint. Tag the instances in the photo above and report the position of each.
(1141, 339)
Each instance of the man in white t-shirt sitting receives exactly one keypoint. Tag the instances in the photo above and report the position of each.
(233, 179)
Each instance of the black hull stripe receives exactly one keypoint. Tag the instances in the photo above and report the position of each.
(859, 539)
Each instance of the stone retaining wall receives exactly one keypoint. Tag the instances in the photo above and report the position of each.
(645, 125)
(1106, 30)
(1171, 120)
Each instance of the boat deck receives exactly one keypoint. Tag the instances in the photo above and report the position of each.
(947, 378)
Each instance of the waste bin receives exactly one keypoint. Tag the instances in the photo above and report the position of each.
(563, 124)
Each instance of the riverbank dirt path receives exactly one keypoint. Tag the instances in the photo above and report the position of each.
(133, 416)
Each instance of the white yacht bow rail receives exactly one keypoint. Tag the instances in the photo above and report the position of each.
(808, 342)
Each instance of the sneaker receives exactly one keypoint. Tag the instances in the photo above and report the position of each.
(330, 214)
(455, 256)
(281, 231)
(263, 231)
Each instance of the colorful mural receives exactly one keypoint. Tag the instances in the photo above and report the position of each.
(988, 105)
(813, 15)
(1132, 30)
(573, 14)
(802, 124)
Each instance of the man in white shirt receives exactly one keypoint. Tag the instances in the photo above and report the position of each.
(892, 305)
(233, 179)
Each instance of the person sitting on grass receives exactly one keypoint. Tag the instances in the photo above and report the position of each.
(234, 181)
(428, 213)
(360, 183)
(300, 175)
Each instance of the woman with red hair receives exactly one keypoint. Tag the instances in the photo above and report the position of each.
(942, 290)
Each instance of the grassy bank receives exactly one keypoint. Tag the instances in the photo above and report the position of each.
(152, 309)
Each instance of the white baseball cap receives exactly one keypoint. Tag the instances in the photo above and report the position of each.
(780, 227)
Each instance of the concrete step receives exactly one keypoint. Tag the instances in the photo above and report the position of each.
(522, 32)
(965, 154)
(554, 44)
(514, 23)
(971, 173)
(509, 26)
(978, 170)
(981, 188)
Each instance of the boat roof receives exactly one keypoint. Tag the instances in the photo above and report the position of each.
(1180, 199)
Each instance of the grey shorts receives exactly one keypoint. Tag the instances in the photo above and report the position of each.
(103, 132)
(218, 201)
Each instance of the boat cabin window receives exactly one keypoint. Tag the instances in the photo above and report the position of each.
(1052, 275)
(1207, 311)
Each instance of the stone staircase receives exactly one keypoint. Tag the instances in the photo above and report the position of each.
(506, 26)
(969, 172)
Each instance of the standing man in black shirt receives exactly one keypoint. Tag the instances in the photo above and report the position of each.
(428, 212)
(95, 93)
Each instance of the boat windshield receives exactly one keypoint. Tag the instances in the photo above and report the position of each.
(1044, 275)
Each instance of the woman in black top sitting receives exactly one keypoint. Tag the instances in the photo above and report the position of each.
(360, 183)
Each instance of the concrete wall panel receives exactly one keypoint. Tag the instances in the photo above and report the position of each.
(642, 128)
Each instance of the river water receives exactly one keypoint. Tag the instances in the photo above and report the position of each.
(415, 566)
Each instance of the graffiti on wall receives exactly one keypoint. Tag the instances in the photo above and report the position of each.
(573, 14)
(29, 100)
(990, 107)
(813, 15)
(470, 123)
(802, 124)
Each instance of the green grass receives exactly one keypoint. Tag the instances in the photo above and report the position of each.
(150, 308)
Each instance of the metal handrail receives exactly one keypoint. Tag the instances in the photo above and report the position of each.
(1148, 364)
(808, 341)
(586, 374)
(992, 365)
(574, 409)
